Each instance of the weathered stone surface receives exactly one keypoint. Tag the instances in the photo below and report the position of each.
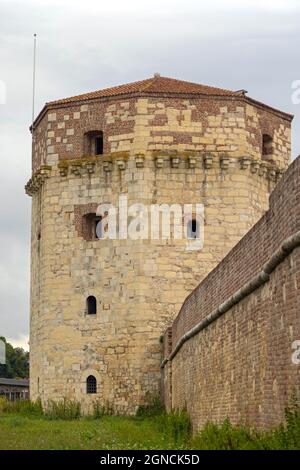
(139, 285)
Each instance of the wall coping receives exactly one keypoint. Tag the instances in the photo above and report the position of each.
(285, 249)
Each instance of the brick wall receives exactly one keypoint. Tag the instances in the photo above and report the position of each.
(240, 365)
(204, 125)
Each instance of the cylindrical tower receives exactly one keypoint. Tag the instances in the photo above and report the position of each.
(99, 306)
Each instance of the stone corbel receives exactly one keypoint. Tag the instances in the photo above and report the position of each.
(139, 161)
(90, 167)
(255, 166)
(263, 170)
(159, 162)
(224, 162)
(45, 171)
(174, 162)
(272, 174)
(208, 161)
(107, 166)
(121, 164)
(75, 169)
(279, 174)
(63, 170)
(245, 162)
(192, 162)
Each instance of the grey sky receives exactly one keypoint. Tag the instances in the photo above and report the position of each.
(88, 45)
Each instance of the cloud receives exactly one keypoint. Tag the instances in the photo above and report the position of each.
(85, 46)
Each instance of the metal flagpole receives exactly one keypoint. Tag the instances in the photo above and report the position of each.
(33, 79)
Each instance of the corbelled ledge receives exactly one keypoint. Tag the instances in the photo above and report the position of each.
(260, 279)
(37, 179)
(119, 160)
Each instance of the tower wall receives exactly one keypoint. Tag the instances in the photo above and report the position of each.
(156, 150)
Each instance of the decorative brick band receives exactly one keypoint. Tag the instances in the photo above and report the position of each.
(261, 278)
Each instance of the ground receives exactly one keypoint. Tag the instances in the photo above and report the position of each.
(23, 432)
(20, 431)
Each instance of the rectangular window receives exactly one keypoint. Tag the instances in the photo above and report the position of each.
(99, 145)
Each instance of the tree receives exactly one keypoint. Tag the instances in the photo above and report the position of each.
(17, 362)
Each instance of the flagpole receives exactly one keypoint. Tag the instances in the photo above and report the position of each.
(33, 78)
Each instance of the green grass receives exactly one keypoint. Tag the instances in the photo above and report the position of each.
(26, 426)
(109, 432)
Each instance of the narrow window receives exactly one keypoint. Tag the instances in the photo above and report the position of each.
(193, 229)
(93, 143)
(91, 384)
(267, 145)
(99, 145)
(91, 305)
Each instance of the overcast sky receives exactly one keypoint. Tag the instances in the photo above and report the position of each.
(88, 45)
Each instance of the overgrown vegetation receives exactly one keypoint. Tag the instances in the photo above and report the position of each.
(100, 409)
(62, 409)
(25, 425)
(153, 407)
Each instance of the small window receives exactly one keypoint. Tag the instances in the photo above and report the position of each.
(91, 305)
(267, 145)
(91, 384)
(193, 229)
(93, 143)
(99, 145)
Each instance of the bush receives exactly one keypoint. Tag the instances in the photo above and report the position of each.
(229, 437)
(62, 409)
(176, 425)
(226, 437)
(23, 407)
(2, 403)
(100, 409)
(153, 407)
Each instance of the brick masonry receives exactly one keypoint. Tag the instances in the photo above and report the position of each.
(240, 366)
(158, 148)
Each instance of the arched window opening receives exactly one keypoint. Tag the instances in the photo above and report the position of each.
(267, 145)
(193, 229)
(93, 143)
(91, 384)
(91, 305)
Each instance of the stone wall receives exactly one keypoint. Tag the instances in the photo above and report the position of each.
(156, 150)
(231, 343)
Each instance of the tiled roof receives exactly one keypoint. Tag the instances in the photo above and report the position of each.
(14, 382)
(154, 85)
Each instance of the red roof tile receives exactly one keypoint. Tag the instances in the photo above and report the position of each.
(154, 85)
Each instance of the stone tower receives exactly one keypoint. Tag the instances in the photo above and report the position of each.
(100, 306)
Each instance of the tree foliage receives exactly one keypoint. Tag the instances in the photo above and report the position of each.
(17, 362)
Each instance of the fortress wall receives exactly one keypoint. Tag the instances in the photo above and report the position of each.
(139, 125)
(139, 285)
(240, 365)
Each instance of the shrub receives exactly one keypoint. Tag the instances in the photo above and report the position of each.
(226, 437)
(177, 425)
(2, 403)
(152, 407)
(24, 407)
(100, 409)
(62, 409)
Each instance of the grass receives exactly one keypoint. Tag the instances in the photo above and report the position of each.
(24, 425)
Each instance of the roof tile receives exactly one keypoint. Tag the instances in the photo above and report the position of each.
(154, 85)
